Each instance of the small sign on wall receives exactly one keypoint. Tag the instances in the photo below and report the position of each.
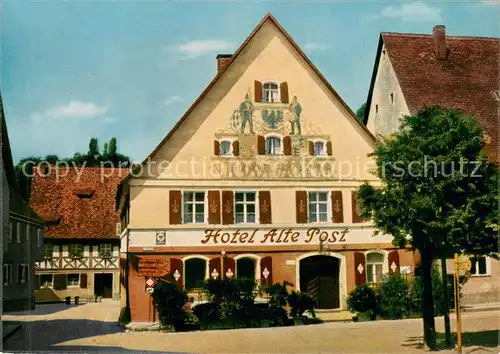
(161, 237)
(290, 262)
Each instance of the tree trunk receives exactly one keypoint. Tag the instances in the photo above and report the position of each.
(446, 302)
(428, 302)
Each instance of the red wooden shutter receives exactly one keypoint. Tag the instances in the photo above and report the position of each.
(301, 207)
(236, 148)
(258, 91)
(175, 203)
(266, 271)
(214, 264)
(337, 207)
(393, 260)
(229, 267)
(261, 145)
(284, 92)
(227, 207)
(214, 207)
(177, 271)
(359, 268)
(311, 148)
(329, 148)
(356, 217)
(287, 145)
(83, 281)
(216, 147)
(265, 207)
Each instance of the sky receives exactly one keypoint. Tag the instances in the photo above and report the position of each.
(72, 70)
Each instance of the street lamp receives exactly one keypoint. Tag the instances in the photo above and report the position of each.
(223, 254)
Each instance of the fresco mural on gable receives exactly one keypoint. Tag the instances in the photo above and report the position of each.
(253, 120)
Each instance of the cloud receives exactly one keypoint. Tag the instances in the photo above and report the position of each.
(73, 110)
(197, 48)
(489, 3)
(314, 46)
(412, 12)
(173, 99)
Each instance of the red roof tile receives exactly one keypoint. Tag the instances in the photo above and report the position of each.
(467, 80)
(77, 203)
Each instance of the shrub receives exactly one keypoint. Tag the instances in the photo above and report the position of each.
(393, 297)
(301, 302)
(169, 300)
(279, 293)
(362, 299)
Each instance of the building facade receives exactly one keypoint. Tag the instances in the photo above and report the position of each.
(413, 71)
(81, 248)
(257, 180)
(22, 236)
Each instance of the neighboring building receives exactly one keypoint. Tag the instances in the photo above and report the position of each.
(413, 71)
(253, 181)
(22, 235)
(81, 248)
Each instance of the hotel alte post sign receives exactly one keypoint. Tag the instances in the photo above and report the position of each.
(152, 267)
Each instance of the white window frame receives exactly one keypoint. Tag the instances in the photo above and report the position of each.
(7, 269)
(488, 268)
(383, 263)
(102, 246)
(245, 203)
(187, 258)
(73, 285)
(328, 206)
(323, 141)
(276, 136)
(204, 203)
(49, 286)
(19, 228)
(230, 142)
(24, 273)
(272, 82)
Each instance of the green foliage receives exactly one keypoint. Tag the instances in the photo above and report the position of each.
(360, 113)
(300, 303)
(279, 293)
(93, 147)
(169, 300)
(105, 151)
(112, 146)
(362, 299)
(393, 297)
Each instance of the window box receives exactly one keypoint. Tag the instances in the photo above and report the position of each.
(106, 251)
(76, 251)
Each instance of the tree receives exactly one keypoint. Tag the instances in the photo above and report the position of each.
(93, 147)
(439, 193)
(105, 152)
(112, 146)
(360, 113)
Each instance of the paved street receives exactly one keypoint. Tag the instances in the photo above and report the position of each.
(93, 327)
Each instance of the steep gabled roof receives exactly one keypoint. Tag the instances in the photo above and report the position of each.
(267, 17)
(77, 203)
(468, 79)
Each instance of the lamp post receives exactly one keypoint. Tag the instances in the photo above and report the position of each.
(223, 254)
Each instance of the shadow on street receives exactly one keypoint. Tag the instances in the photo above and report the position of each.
(484, 339)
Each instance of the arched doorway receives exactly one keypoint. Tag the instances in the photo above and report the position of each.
(245, 268)
(319, 276)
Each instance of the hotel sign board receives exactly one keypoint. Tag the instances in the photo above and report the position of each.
(152, 267)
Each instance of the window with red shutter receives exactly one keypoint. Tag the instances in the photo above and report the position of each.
(301, 207)
(265, 207)
(175, 206)
(284, 92)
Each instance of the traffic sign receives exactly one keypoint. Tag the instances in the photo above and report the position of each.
(150, 290)
(150, 282)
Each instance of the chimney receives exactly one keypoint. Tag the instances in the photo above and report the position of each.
(222, 61)
(439, 39)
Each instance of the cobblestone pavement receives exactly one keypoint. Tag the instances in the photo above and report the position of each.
(93, 327)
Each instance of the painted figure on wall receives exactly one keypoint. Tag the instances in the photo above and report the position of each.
(296, 109)
(246, 113)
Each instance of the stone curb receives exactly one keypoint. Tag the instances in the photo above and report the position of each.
(13, 329)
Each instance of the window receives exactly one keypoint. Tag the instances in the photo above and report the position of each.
(39, 234)
(73, 279)
(273, 145)
(244, 207)
(376, 108)
(195, 270)
(22, 273)
(46, 280)
(270, 92)
(11, 231)
(194, 207)
(245, 268)
(318, 206)
(48, 250)
(18, 235)
(225, 148)
(106, 250)
(392, 98)
(7, 274)
(374, 267)
(319, 148)
(75, 251)
(479, 266)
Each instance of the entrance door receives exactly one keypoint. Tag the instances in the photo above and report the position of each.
(103, 285)
(319, 276)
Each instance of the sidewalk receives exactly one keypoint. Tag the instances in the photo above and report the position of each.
(481, 307)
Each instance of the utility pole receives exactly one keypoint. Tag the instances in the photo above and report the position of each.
(457, 305)
(446, 302)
